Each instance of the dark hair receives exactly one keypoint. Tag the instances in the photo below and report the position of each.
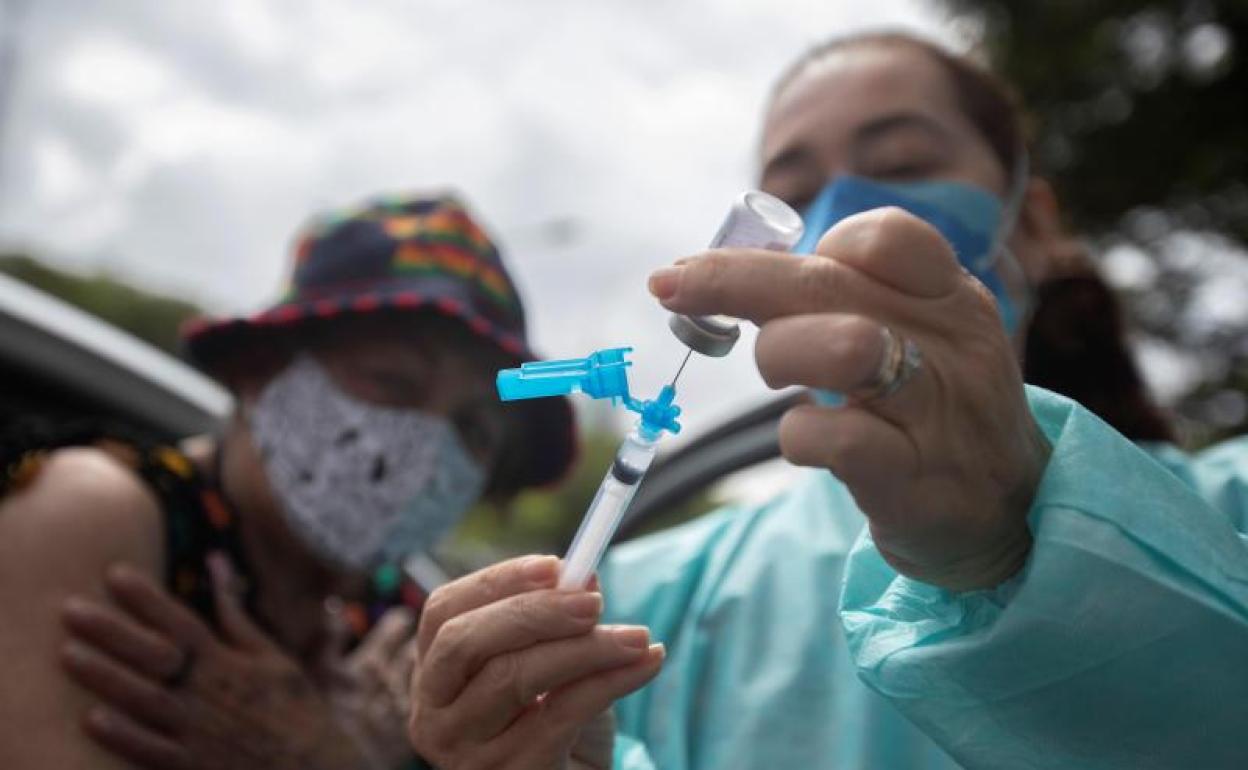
(1075, 345)
(1076, 340)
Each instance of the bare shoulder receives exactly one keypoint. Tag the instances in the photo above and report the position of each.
(58, 534)
(83, 506)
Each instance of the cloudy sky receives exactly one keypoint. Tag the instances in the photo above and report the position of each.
(178, 144)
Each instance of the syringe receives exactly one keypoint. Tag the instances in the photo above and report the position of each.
(602, 374)
(756, 220)
(618, 487)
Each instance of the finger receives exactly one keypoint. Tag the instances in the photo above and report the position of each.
(551, 728)
(122, 688)
(236, 625)
(850, 355)
(508, 684)
(401, 675)
(134, 742)
(467, 641)
(386, 639)
(483, 587)
(878, 263)
(828, 350)
(871, 455)
(761, 285)
(330, 657)
(897, 249)
(117, 635)
(143, 598)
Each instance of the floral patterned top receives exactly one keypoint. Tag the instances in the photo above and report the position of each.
(198, 518)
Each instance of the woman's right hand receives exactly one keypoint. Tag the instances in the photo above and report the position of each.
(511, 673)
(177, 695)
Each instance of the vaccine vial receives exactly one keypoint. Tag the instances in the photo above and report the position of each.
(756, 221)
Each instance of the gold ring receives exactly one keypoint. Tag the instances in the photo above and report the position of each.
(901, 360)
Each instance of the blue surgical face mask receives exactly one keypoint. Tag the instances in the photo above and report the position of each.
(969, 217)
(972, 219)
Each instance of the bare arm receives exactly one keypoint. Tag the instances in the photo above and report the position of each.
(83, 512)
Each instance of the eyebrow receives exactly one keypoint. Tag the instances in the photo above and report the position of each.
(801, 156)
(798, 157)
(879, 128)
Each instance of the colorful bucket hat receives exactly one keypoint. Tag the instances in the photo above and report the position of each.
(402, 253)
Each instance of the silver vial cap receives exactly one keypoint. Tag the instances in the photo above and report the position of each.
(709, 335)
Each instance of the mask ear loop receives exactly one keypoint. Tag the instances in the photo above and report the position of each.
(1003, 258)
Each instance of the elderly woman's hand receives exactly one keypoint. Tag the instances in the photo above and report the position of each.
(176, 695)
(946, 465)
(511, 673)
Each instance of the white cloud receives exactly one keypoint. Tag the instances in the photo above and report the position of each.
(59, 174)
(188, 140)
(110, 73)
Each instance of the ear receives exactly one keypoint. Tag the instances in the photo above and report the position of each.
(1040, 216)
(1039, 233)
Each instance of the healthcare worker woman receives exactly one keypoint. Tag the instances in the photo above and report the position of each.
(1036, 592)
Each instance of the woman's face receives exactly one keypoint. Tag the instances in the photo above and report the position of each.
(423, 369)
(888, 112)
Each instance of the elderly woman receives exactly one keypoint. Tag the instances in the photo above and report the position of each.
(1032, 589)
(366, 424)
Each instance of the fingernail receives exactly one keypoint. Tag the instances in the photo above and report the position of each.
(404, 616)
(74, 653)
(333, 605)
(540, 569)
(583, 605)
(631, 637)
(220, 568)
(75, 606)
(100, 717)
(657, 651)
(664, 282)
(119, 571)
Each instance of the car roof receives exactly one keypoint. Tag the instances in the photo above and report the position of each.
(59, 360)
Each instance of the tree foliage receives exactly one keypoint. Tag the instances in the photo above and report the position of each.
(151, 317)
(1140, 117)
(1136, 104)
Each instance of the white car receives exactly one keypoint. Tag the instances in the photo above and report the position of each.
(59, 362)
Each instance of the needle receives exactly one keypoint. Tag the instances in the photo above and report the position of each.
(682, 367)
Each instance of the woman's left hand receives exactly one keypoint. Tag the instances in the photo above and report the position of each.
(945, 461)
(369, 686)
(176, 695)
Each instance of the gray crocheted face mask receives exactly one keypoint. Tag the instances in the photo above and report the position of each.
(359, 483)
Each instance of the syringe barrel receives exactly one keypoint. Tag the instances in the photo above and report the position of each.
(757, 221)
(618, 487)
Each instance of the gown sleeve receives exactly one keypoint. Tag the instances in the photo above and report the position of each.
(1123, 641)
(757, 674)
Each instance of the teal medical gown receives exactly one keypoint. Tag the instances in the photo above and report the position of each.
(757, 674)
(1123, 643)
